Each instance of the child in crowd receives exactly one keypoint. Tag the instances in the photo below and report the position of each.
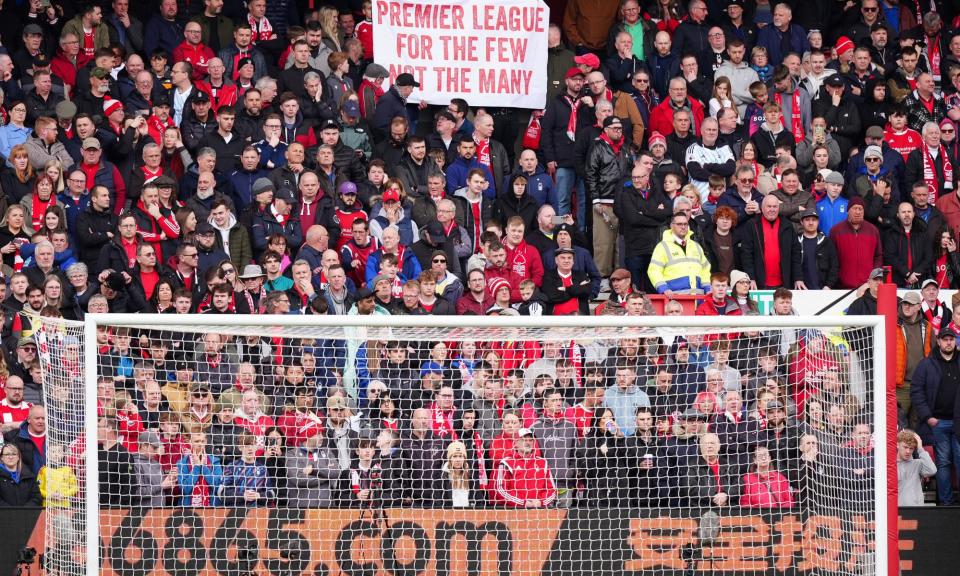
(754, 113)
(913, 466)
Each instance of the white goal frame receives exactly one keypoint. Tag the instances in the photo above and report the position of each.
(875, 324)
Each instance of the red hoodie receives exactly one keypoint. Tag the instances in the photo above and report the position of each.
(525, 262)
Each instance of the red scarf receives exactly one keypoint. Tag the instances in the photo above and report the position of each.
(934, 316)
(796, 122)
(201, 492)
(483, 151)
(572, 121)
(930, 173)
(615, 145)
(39, 208)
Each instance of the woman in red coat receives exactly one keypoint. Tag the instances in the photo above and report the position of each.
(764, 486)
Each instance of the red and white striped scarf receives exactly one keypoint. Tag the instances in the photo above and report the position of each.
(796, 122)
(930, 173)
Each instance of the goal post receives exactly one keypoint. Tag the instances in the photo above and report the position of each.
(831, 529)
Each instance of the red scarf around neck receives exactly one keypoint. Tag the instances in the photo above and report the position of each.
(796, 122)
(930, 173)
(572, 121)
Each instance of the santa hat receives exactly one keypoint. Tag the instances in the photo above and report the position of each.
(844, 45)
(110, 106)
(496, 284)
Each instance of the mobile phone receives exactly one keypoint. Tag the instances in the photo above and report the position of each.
(559, 220)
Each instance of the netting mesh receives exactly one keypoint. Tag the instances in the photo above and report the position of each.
(345, 449)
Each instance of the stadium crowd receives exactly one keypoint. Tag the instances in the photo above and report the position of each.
(250, 157)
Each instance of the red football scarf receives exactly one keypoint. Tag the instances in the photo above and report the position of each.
(796, 123)
(930, 174)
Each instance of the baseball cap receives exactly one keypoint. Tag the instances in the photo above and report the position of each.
(590, 60)
(406, 79)
(612, 121)
(100, 73)
(91, 142)
(573, 72)
(330, 124)
(336, 403)
(391, 195)
(351, 108)
(524, 432)
(911, 298)
(809, 214)
(834, 80)
(874, 132)
(26, 341)
(928, 282)
(947, 332)
(435, 232)
(200, 98)
(774, 405)
(877, 274)
(204, 228)
(284, 194)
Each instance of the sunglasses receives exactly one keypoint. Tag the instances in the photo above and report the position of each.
(439, 260)
(746, 181)
(871, 159)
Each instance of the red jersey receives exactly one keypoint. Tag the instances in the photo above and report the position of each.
(256, 424)
(14, 414)
(351, 252)
(581, 417)
(346, 218)
(364, 33)
(903, 142)
(129, 427)
(298, 426)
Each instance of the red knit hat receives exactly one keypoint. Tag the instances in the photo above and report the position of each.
(844, 45)
(110, 106)
(496, 284)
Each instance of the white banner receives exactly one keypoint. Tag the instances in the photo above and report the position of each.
(488, 52)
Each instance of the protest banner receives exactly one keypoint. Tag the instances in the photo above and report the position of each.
(488, 52)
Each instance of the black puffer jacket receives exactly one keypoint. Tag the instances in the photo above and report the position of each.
(92, 228)
(605, 170)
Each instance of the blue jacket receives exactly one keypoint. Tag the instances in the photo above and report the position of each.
(242, 182)
(732, 199)
(925, 385)
(771, 38)
(662, 69)
(270, 153)
(389, 107)
(10, 136)
(188, 476)
(831, 212)
(73, 209)
(240, 476)
(457, 176)
(161, 33)
(409, 269)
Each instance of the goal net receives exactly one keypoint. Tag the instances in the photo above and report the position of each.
(373, 445)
